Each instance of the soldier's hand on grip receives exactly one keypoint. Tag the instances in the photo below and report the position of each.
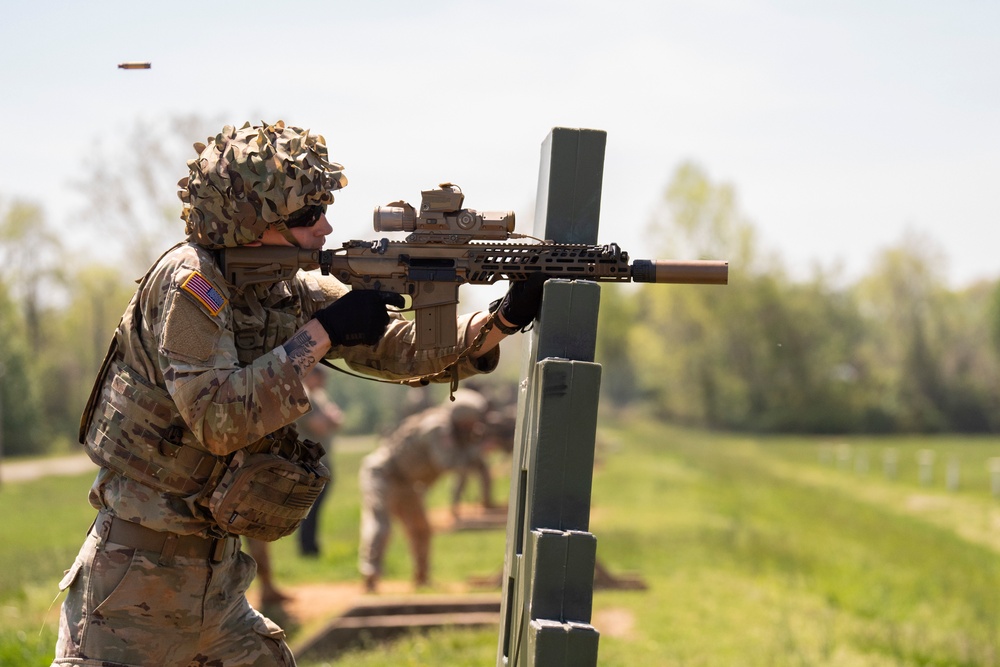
(359, 317)
(523, 300)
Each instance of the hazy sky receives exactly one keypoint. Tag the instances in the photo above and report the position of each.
(840, 123)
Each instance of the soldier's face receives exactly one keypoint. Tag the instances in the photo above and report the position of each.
(309, 238)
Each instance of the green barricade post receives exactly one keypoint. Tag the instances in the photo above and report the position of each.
(548, 583)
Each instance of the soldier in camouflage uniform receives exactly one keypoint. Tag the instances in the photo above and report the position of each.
(192, 416)
(395, 477)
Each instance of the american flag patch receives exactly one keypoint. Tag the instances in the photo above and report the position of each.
(202, 290)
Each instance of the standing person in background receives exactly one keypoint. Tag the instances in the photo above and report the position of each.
(319, 425)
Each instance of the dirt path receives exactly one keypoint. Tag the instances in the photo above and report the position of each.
(26, 470)
(31, 469)
(310, 607)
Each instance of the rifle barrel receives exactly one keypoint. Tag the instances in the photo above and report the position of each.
(692, 272)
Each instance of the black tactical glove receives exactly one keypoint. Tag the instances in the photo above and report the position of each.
(359, 317)
(522, 302)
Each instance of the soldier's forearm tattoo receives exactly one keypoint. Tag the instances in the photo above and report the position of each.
(301, 350)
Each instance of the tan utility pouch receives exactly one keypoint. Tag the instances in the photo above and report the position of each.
(132, 428)
(266, 495)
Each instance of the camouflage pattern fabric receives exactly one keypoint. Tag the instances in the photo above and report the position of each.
(394, 478)
(265, 496)
(381, 499)
(123, 607)
(247, 179)
(134, 429)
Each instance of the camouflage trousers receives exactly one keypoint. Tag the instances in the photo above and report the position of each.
(383, 497)
(126, 608)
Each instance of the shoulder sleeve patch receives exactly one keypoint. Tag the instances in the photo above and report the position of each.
(204, 293)
(189, 334)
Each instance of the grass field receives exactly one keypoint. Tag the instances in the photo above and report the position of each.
(756, 551)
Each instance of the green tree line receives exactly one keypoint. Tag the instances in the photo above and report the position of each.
(895, 351)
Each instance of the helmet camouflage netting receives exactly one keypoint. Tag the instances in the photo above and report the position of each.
(247, 179)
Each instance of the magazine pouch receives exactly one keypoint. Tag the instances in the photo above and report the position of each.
(266, 494)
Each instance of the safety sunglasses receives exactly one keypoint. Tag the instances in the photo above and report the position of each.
(306, 216)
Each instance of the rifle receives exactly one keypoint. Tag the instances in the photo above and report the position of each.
(449, 246)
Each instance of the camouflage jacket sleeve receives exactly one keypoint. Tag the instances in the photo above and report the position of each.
(396, 356)
(187, 315)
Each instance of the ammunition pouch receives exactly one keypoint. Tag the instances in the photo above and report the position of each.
(266, 494)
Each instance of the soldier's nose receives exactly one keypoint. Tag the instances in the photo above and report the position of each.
(322, 226)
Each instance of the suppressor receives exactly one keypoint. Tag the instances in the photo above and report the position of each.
(691, 272)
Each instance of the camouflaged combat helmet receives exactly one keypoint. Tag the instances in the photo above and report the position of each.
(248, 179)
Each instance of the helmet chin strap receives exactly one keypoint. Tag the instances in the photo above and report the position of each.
(283, 229)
